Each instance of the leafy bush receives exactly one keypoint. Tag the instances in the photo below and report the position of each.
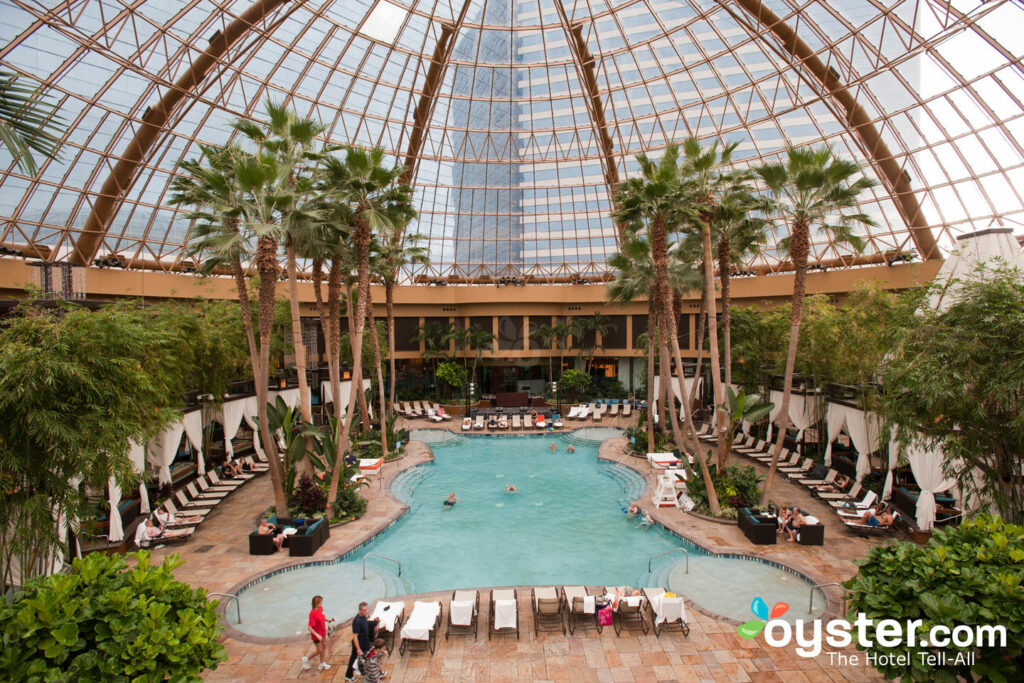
(575, 384)
(348, 503)
(309, 498)
(103, 621)
(970, 575)
(736, 485)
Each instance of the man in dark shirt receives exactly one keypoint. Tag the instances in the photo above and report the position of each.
(360, 640)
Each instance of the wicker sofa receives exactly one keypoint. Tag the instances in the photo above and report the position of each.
(758, 530)
(305, 543)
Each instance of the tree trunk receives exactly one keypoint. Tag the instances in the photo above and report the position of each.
(701, 324)
(716, 369)
(355, 335)
(380, 380)
(304, 466)
(246, 307)
(724, 268)
(266, 263)
(668, 412)
(389, 303)
(321, 307)
(334, 290)
(799, 246)
(650, 373)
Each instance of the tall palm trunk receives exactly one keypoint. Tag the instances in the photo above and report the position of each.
(334, 289)
(266, 263)
(716, 369)
(246, 307)
(360, 397)
(799, 247)
(724, 274)
(389, 302)
(305, 407)
(321, 307)
(702, 317)
(380, 380)
(361, 239)
(650, 375)
(668, 413)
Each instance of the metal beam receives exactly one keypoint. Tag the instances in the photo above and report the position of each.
(121, 178)
(858, 121)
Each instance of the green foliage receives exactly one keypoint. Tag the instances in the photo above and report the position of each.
(453, 374)
(308, 499)
(742, 407)
(213, 347)
(969, 575)
(736, 487)
(348, 504)
(287, 420)
(106, 622)
(956, 376)
(29, 122)
(345, 347)
(574, 384)
(75, 385)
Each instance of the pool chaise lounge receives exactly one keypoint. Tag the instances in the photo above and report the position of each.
(463, 614)
(547, 610)
(420, 631)
(390, 616)
(580, 607)
(666, 612)
(504, 612)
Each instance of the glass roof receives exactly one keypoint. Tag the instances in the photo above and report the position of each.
(532, 108)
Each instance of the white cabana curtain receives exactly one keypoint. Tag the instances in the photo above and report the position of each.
(192, 421)
(893, 450)
(115, 532)
(137, 454)
(291, 397)
(864, 431)
(250, 409)
(776, 398)
(927, 468)
(836, 420)
(162, 450)
(230, 418)
(800, 408)
(688, 384)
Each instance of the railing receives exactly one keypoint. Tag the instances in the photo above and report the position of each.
(383, 557)
(669, 552)
(232, 596)
(810, 603)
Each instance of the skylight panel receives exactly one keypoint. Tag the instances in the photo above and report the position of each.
(384, 22)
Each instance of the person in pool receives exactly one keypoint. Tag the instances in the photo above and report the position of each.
(451, 500)
(634, 509)
(570, 449)
(552, 447)
(648, 520)
(511, 488)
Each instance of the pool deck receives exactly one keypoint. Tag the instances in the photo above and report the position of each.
(217, 559)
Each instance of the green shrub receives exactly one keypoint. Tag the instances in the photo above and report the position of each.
(736, 487)
(348, 503)
(970, 575)
(105, 622)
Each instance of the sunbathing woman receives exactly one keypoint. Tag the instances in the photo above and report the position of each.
(166, 518)
(840, 484)
(153, 531)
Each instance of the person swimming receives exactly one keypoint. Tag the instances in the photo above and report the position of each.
(633, 509)
(451, 500)
(552, 447)
(570, 449)
(647, 520)
(511, 488)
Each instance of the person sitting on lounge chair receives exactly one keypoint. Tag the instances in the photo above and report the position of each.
(164, 519)
(153, 531)
(879, 517)
(841, 482)
(268, 529)
(231, 469)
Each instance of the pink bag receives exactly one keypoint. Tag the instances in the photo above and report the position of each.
(604, 616)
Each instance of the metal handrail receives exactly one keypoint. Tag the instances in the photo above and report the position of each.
(810, 604)
(238, 608)
(669, 552)
(383, 557)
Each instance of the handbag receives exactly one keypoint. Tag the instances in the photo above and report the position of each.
(604, 616)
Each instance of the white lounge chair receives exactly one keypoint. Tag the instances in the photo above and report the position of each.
(627, 409)
(613, 411)
(868, 501)
(584, 412)
(528, 422)
(207, 486)
(663, 460)
(541, 422)
(573, 412)
(479, 424)
(198, 512)
(598, 413)
(389, 616)
(187, 504)
(420, 632)
(666, 611)
(433, 415)
(467, 424)
(556, 421)
(197, 495)
(840, 495)
(463, 613)
(504, 612)
(581, 608)
(516, 423)
(547, 610)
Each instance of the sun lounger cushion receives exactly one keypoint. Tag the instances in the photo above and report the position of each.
(505, 614)
(388, 613)
(421, 621)
(462, 612)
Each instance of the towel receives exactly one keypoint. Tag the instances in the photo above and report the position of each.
(632, 600)
(810, 520)
(588, 604)
(388, 613)
(462, 612)
(668, 609)
(505, 614)
(421, 621)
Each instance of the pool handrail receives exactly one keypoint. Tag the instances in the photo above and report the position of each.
(810, 604)
(669, 552)
(238, 608)
(384, 557)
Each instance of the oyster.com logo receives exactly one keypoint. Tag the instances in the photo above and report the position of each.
(759, 607)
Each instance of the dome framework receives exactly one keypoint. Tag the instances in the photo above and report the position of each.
(516, 118)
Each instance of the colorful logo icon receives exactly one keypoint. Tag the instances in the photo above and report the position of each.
(759, 607)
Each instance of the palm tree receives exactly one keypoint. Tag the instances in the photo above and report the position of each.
(655, 201)
(563, 331)
(478, 339)
(545, 335)
(600, 325)
(29, 122)
(812, 188)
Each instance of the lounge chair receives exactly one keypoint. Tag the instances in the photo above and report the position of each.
(479, 424)
(556, 421)
(504, 612)
(867, 502)
(758, 447)
(541, 423)
(786, 459)
(573, 412)
(528, 422)
(234, 481)
(197, 496)
(598, 412)
(666, 611)
(860, 528)
(806, 467)
(463, 614)
(433, 416)
(503, 422)
(584, 412)
(187, 504)
(850, 495)
(206, 485)
(581, 608)
(629, 615)
(810, 481)
(144, 540)
(408, 410)
(198, 512)
(547, 610)
(627, 409)
(390, 616)
(467, 424)
(613, 411)
(516, 423)
(420, 632)
(663, 460)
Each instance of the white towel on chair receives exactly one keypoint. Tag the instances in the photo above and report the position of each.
(462, 612)
(588, 604)
(421, 621)
(668, 609)
(632, 600)
(388, 613)
(505, 614)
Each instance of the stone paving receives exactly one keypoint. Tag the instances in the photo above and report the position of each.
(217, 559)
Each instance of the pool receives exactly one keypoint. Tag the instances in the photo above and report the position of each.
(565, 526)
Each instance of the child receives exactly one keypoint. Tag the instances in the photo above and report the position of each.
(372, 673)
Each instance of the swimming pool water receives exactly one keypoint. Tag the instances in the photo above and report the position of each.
(565, 526)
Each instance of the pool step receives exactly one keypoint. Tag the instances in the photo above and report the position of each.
(394, 585)
(632, 484)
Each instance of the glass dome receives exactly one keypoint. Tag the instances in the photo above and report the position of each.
(516, 117)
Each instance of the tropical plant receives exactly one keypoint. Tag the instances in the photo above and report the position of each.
(478, 340)
(308, 499)
(812, 189)
(575, 384)
(954, 380)
(104, 621)
(436, 337)
(742, 407)
(969, 576)
(297, 437)
(29, 122)
(545, 336)
(453, 374)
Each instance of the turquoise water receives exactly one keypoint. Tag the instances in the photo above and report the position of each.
(564, 527)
